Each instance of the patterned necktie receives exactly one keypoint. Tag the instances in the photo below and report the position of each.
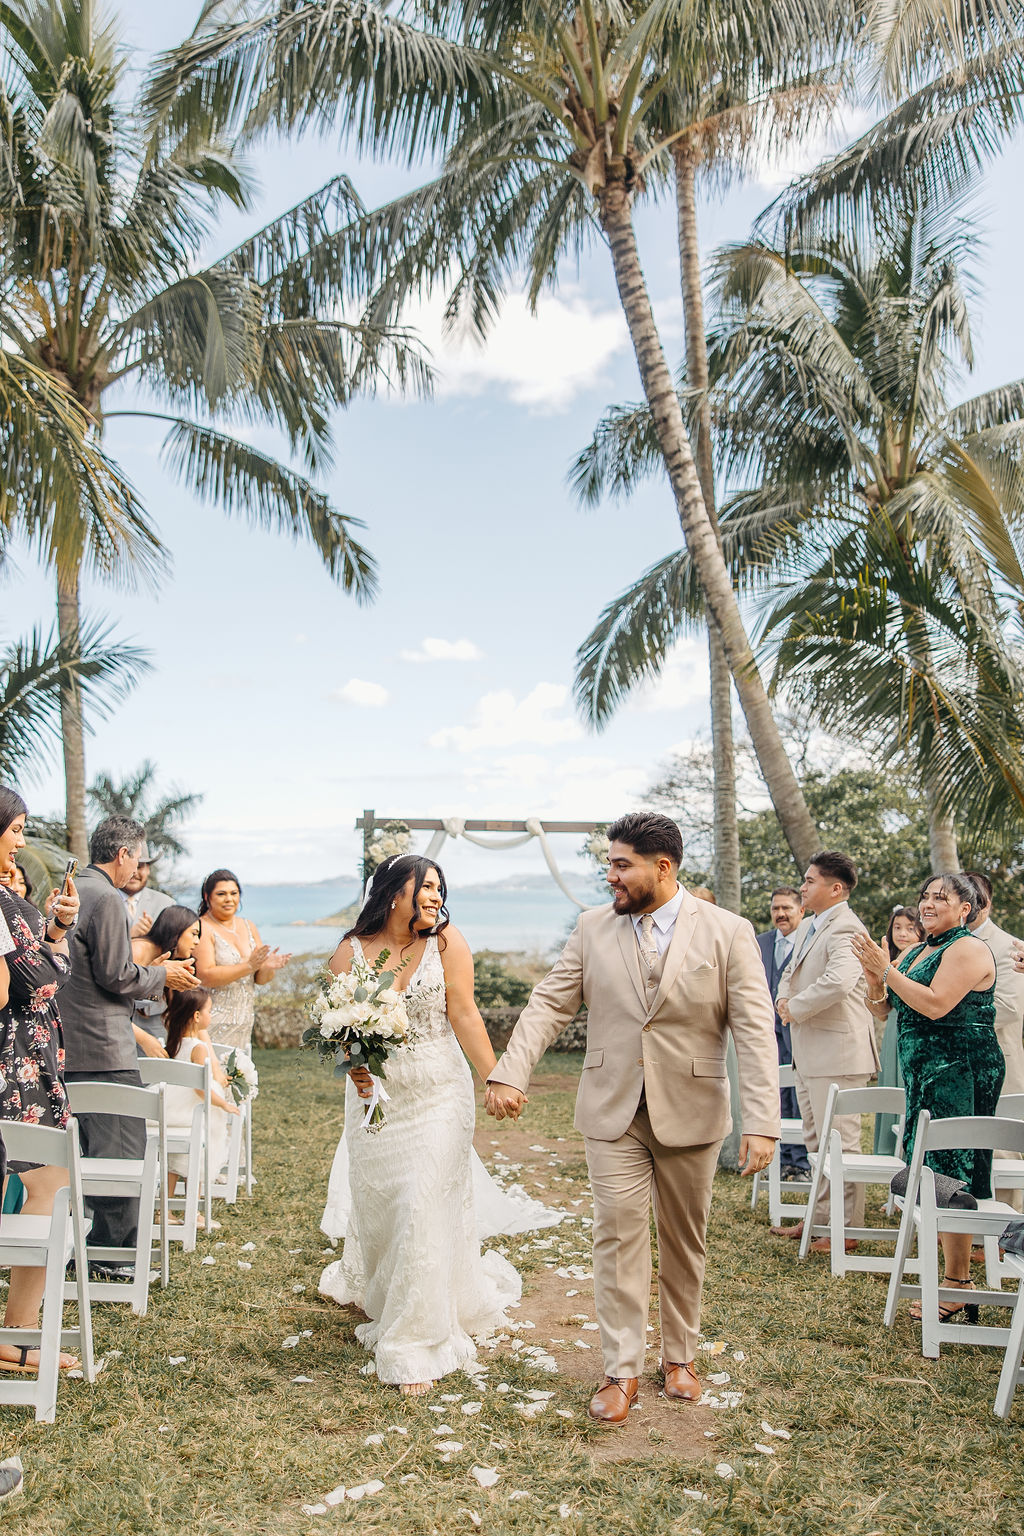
(648, 948)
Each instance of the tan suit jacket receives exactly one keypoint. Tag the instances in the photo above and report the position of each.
(1009, 1002)
(833, 1033)
(672, 1043)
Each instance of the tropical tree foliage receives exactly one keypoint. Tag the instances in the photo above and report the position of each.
(136, 795)
(32, 672)
(106, 291)
(549, 116)
(882, 534)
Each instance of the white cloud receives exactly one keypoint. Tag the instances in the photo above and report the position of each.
(683, 682)
(365, 695)
(444, 650)
(540, 360)
(500, 720)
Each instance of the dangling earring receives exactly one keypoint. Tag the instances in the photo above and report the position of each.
(394, 904)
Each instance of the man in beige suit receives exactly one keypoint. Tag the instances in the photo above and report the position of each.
(1009, 1000)
(663, 978)
(822, 996)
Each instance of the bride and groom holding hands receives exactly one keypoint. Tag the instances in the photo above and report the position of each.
(664, 979)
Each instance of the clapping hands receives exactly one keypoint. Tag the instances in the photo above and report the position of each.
(504, 1102)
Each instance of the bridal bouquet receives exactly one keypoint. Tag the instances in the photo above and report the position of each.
(359, 1019)
(243, 1079)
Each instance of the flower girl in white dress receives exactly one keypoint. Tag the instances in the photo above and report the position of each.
(188, 1039)
(412, 1257)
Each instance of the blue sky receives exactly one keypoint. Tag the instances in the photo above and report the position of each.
(290, 708)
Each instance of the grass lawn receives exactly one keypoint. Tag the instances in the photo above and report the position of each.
(882, 1440)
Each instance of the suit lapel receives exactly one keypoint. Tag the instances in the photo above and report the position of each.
(631, 955)
(800, 954)
(682, 933)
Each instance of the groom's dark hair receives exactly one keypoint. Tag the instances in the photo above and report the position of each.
(649, 833)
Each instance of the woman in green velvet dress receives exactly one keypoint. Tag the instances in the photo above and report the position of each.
(951, 1060)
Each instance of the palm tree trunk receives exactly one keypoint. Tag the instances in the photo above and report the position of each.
(942, 840)
(787, 796)
(71, 724)
(723, 746)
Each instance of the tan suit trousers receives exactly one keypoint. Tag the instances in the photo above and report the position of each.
(628, 1176)
(812, 1096)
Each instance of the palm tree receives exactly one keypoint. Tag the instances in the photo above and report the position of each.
(32, 673)
(549, 115)
(880, 532)
(102, 289)
(136, 796)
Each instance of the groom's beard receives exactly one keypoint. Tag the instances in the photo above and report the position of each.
(623, 902)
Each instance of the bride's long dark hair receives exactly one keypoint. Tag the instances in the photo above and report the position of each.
(389, 880)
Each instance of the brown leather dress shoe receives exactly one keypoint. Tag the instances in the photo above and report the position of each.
(681, 1382)
(611, 1403)
(795, 1229)
(824, 1245)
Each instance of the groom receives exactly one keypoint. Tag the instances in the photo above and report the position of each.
(663, 977)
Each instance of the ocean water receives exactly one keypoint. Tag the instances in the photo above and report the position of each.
(502, 917)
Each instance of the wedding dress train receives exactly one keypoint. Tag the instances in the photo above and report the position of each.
(413, 1201)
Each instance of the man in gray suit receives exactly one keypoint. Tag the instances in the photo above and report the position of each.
(96, 1008)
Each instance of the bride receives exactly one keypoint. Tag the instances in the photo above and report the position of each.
(412, 1199)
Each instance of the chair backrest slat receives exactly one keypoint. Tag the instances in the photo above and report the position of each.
(177, 1074)
(870, 1101)
(43, 1144)
(115, 1099)
(979, 1132)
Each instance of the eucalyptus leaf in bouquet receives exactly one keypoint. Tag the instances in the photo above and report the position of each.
(358, 1019)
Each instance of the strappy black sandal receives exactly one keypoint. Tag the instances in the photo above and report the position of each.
(948, 1309)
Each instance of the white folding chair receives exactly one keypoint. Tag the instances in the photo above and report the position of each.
(127, 1178)
(1012, 1376)
(1007, 1173)
(792, 1131)
(921, 1217)
(239, 1146)
(48, 1242)
(840, 1167)
(193, 1144)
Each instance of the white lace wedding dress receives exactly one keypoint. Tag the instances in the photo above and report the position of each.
(407, 1202)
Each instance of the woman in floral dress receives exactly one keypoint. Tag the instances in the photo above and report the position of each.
(32, 1057)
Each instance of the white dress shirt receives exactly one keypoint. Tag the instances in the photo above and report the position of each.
(664, 921)
(783, 947)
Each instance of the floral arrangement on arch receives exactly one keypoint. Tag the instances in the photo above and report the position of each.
(388, 840)
(596, 846)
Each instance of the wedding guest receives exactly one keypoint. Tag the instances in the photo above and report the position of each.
(1009, 1002)
(102, 1035)
(20, 883)
(904, 930)
(232, 960)
(944, 995)
(32, 1058)
(776, 946)
(11, 1474)
(143, 901)
(188, 1039)
(822, 996)
(173, 935)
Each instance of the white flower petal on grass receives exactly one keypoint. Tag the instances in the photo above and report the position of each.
(397, 1429)
(572, 1293)
(531, 1410)
(409, 1477)
(243, 1265)
(435, 1408)
(564, 1413)
(451, 1397)
(450, 1446)
(580, 1344)
(314, 1509)
(503, 1386)
(712, 1347)
(208, 1260)
(165, 1429)
(720, 1378)
(738, 1354)
(724, 1470)
(336, 1495)
(294, 1250)
(248, 1248)
(695, 1493)
(780, 1434)
(297, 1290)
(486, 1476)
(176, 1359)
(520, 1493)
(307, 1333)
(590, 1327)
(472, 1514)
(766, 1450)
(471, 1407)
(374, 1440)
(537, 1396)
(362, 1489)
(302, 1381)
(290, 1342)
(564, 1511)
